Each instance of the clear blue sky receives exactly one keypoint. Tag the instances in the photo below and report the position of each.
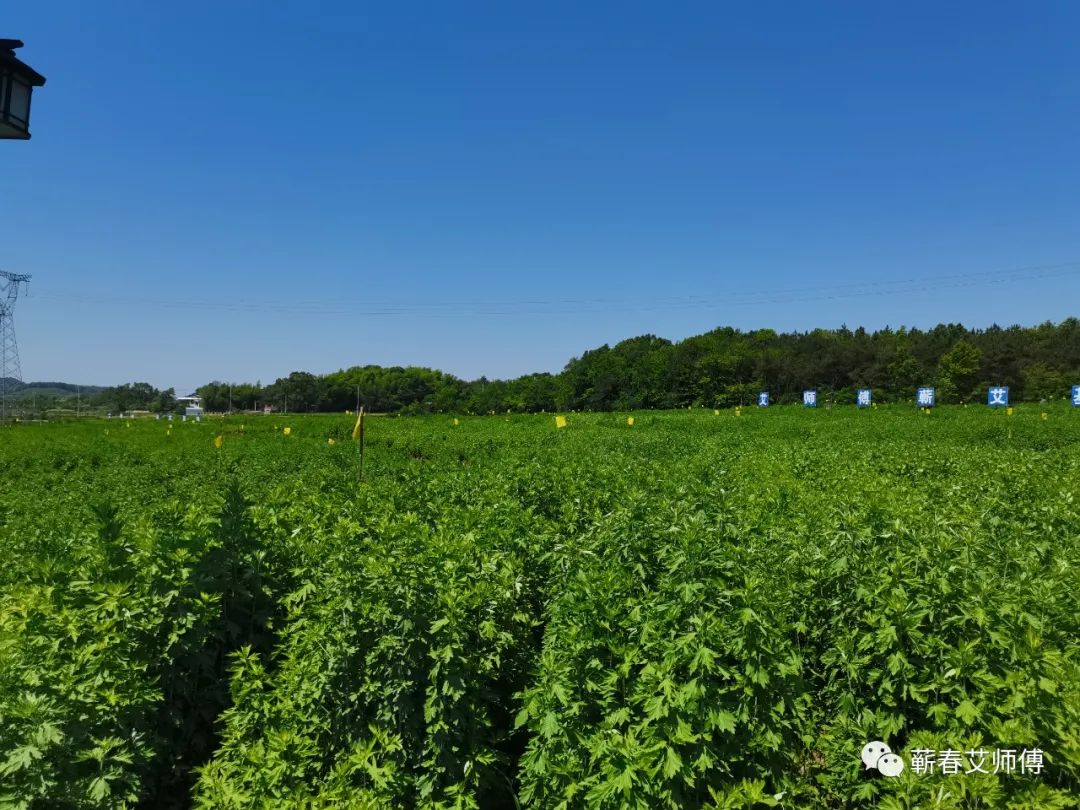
(234, 190)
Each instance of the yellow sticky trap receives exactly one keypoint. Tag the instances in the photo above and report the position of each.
(716, 412)
(560, 421)
(1045, 417)
(1009, 411)
(287, 431)
(457, 422)
(218, 441)
(331, 441)
(630, 421)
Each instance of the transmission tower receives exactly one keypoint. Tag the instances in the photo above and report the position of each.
(9, 350)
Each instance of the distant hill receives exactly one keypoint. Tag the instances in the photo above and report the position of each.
(19, 390)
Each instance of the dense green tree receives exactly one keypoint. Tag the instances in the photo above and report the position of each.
(958, 372)
(138, 396)
(164, 402)
(720, 368)
(1041, 381)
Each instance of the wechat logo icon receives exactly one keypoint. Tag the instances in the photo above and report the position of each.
(876, 755)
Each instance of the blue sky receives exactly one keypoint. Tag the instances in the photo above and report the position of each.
(237, 190)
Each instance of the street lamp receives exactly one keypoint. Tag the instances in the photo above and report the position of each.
(17, 81)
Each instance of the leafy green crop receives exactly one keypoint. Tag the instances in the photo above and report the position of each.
(698, 610)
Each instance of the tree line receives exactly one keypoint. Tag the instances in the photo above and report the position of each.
(720, 368)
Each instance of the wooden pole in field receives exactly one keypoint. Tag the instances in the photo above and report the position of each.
(358, 434)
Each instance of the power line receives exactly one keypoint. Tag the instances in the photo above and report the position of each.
(475, 308)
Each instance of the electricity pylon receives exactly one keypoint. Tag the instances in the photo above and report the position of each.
(9, 349)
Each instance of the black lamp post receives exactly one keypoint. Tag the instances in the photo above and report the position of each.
(17, 82)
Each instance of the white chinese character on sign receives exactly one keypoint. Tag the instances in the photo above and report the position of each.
(999, 396)
(863, 397)
(977, 758)
(809, 398)
(923, 760)
(763, 399)
(949, 761)
(1031, 761)
(1076, 395)
(1004, 760)
(925, 397)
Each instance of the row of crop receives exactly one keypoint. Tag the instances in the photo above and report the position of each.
(113, 657)
(945, 615)
(408, 639)
(670, 673)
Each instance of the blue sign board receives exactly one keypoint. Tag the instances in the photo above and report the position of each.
(1076, 395)
(863, 398)
(924, 397)
(997, 396)
(809, 399)
(763, 399)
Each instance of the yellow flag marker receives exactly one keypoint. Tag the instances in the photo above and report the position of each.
(287, 431)
(560, 421)
(358, 428)
(218, 441)
(630, 421)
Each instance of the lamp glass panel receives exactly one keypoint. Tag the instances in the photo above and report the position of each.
(19, 105)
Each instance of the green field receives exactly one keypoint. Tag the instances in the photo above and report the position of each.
(698, 610)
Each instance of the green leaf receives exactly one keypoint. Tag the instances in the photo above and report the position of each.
(967, 712)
